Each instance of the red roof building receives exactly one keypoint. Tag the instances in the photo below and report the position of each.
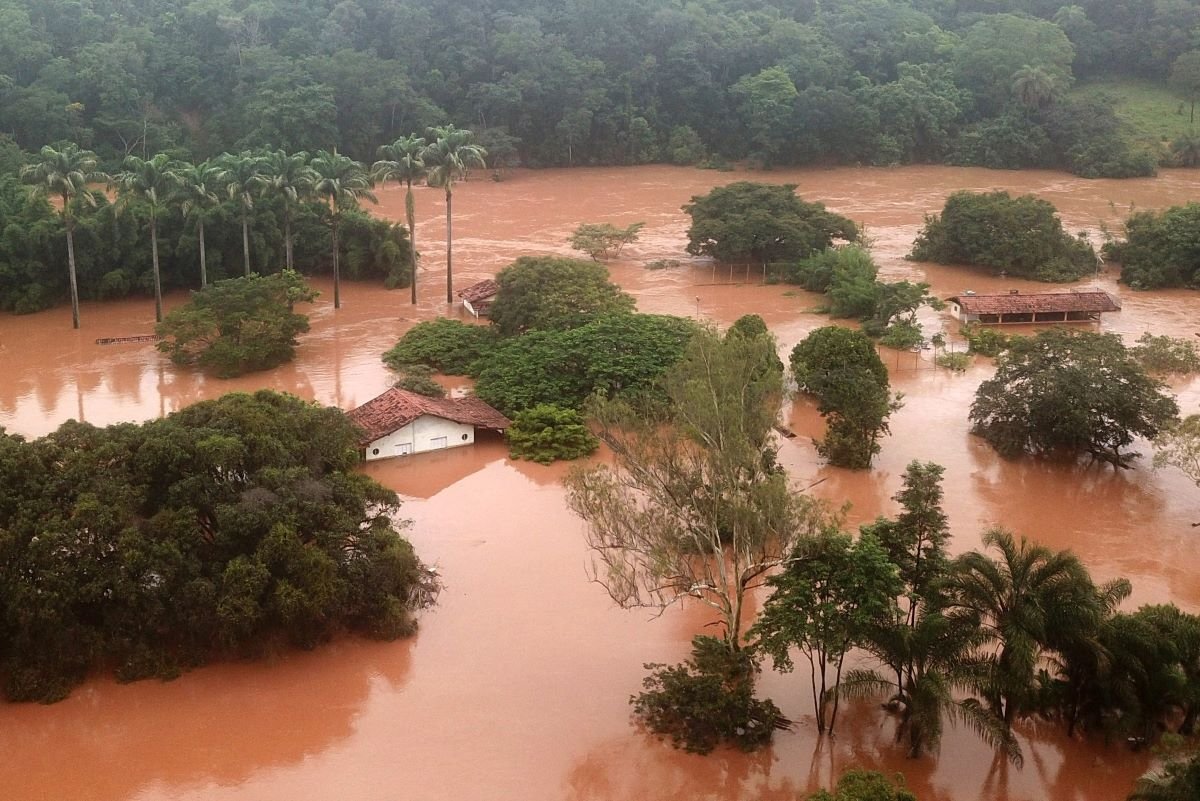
(477, 298)
(1040, 307)
(400, 422)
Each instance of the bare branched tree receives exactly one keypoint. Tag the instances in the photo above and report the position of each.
(694, 505)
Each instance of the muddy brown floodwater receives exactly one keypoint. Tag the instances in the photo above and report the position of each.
(517, 685)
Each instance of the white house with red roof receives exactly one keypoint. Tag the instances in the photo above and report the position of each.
(477, 298)
(399, 423)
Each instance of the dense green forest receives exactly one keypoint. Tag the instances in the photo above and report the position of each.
(594, 81)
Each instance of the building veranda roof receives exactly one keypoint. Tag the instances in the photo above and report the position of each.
(396, 408)
(1037, 303)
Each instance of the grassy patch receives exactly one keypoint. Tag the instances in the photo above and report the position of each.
(1155, 113)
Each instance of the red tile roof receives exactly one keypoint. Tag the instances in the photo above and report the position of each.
(484, 290)
(396, 408)
(1016, 303)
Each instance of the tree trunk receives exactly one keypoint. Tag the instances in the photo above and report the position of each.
(71, 271)
(154, 261)
(337, 277)
(246, 242)
(449, 247)
(410, 211)
(287, 234)
(203, 265)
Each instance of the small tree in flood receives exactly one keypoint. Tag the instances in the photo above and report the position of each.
(694, 506)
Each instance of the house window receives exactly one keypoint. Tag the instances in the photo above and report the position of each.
(466, 437)
(375, 451)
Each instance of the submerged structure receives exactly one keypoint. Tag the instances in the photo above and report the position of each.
(400, 423)
(477, 298)
(1040, 307)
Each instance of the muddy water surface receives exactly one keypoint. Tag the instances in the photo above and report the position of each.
(516, 687)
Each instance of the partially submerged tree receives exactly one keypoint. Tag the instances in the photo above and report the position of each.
(832, 595)
(693, 506)
(841, 369)
(604, 240)
(761, 223)
(547, 433)
(1070, 393)
(552, 293)
(239, 325)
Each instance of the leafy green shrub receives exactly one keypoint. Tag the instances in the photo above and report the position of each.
(546, 433)
(866, 785)
(622, 353)
(662, 264)
(603, 240)
(1166, 354)
(902, 335)
(955, 362)
(1022, 236)
(418, 378)
(1161, 248)
(449, 346)
(707, 700)
(238, 325)
(986, 341)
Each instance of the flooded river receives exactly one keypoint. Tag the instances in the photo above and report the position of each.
(517, 685)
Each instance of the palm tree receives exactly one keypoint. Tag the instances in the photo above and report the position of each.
(1033, 86)
(197, 194)
(242, 181)
(152, 182)
(65, 174)
(401, 162)
(343, 182)
(447, 159)
(936, 660)
(291, 179)
(1027, 600)
(1177, 780)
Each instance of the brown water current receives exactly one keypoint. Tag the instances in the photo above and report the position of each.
(517, 685)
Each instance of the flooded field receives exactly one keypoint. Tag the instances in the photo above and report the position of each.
(517, 685)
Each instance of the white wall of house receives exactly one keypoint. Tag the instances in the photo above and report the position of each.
(426, 433)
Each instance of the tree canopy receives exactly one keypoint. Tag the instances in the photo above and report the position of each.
(1160, 249)
(222, 530)
(548, 293)
(761, 223)
(238, 325)
(1070, 392)
(1022, 236)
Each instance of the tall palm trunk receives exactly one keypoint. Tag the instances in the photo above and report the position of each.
(410, 211)
(71, 270)
(246, 241)
(337, 275)
(449, 247)
(154, 260)
(203, 265)
(287, 233)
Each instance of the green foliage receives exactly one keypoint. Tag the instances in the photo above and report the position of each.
(866, 785)
(954, 362)
(832, 595)
(418, 378)
(449, 346)
(761, 223)
(615, 354)
(546, 433)
(550, 293)
(902, 335)
(707, 701)
(223, 530)
(986, 341)
(1022, 236)
(1177, 780)
(684, 146)
(841, 369)
(1166, 354)
(1179, 446)
(1070, 392)
(236, 326)
(1161, 248)
(604, 240)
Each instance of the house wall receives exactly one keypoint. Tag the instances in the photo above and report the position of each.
(423, 434)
